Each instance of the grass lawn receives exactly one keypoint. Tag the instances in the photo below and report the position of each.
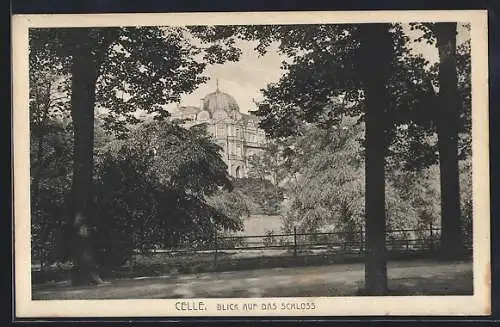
(260, 224)
(420, 277)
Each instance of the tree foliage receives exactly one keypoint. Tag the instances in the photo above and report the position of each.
(155, 186)
(143, 201)
(269, 164)
(260, 195)
(50, 154)
(322, 82)
(338, 69)
(119, 70)
(325, 192)
(167, 186)
(448, 125)
(139, 68)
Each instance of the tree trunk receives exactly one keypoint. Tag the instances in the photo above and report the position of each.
(452, 244)
(84, 76)
(376, 51)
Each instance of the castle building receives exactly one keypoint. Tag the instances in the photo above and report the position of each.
(236, 133)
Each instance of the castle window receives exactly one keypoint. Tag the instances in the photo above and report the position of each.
(220, 131)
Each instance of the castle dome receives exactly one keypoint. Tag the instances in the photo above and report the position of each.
(220, 101)
(203, 116)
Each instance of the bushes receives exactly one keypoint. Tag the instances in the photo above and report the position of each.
(270, 240)
(262, 196)
(228, 242)
(50, 170)
(327, 193)
(174, 196)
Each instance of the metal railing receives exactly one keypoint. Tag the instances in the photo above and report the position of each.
(295, 244)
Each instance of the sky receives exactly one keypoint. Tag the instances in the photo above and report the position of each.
(244, 79)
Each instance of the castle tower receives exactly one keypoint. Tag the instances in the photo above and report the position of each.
(236, 133)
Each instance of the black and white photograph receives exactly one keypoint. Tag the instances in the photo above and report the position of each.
(251, 164)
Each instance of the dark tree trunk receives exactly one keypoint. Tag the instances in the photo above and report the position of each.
(376, 52)
(452, 243)
(85, 68)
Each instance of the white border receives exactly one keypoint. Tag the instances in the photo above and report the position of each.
(478, 304)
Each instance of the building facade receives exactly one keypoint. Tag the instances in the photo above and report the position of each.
(236, 133)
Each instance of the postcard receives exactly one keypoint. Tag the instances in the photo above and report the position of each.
(257, 164)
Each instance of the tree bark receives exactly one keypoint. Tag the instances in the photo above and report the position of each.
(452, 243)
(85, 68)
(376, 52)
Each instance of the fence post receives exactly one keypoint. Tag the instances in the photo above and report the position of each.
(432, 236)
(41, 258)
(344, 241)
(294, 241)
(216, 249)
(362, 240)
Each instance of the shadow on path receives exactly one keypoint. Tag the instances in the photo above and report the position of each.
(405, 278)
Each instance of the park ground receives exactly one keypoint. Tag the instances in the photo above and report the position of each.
(418, 277)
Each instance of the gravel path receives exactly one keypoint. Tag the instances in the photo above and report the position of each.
(418, 277)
